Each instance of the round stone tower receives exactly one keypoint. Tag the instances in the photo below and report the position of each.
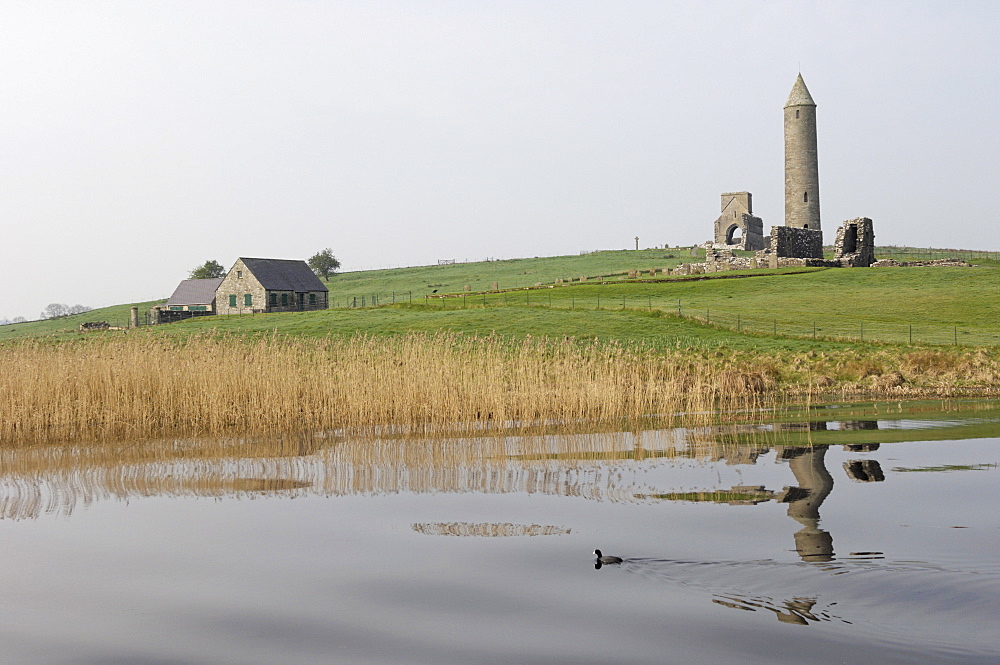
(801, 161)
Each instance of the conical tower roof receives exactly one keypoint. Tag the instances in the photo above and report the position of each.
(799, 96)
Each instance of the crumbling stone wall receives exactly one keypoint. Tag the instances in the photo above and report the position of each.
(794, 242)
(893, 263)
(717, 259)
(855, 244)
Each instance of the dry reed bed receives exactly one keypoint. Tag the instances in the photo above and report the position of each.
(145, 385)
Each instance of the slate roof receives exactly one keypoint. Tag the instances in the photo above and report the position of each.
(284, 275)
(195, 292)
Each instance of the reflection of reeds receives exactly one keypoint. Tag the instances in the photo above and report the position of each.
(487, 529)
(145, 386)
(49, 478)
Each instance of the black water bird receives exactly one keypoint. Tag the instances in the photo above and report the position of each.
(606, 559)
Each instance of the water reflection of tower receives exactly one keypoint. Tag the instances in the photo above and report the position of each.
(808, 465)
(815, 483)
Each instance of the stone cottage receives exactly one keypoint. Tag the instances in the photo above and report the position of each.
(270, 285)
(192, 297)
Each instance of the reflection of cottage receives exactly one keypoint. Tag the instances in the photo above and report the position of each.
(270, 285)
(192, 297)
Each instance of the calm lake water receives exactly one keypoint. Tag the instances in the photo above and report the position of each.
(847, 534)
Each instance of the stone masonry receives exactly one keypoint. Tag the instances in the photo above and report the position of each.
(855, 245)
(737, 215)
(793, 242)
(801, 159)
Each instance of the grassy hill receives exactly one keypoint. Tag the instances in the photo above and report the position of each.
(116, 315)
(938, 305)
(406, 284)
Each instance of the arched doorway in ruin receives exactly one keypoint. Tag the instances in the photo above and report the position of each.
(734, 235)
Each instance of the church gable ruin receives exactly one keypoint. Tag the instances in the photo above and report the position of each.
(736, 226)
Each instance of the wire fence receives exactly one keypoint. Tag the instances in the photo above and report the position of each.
(931, 254)
(826, 328)
(920, 332)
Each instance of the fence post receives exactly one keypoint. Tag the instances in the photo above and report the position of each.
(956, 335)
(814, 330)
(862, 331)
(911, 333)
(623, 303)
(737, 323)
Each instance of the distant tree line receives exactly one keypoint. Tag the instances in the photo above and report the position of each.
(56, 310)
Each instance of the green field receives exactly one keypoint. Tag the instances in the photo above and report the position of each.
(792, 308)
(407, 284)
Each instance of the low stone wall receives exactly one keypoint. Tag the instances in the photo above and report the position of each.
(794, 262)
(893, 263)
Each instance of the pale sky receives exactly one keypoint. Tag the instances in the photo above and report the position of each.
(140, 138)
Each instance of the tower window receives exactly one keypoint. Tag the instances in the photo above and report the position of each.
(805, 197)
(796, 114)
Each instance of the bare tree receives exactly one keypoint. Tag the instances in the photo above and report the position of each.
(54, 310)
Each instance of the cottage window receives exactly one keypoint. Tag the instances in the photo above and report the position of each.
(312, 299)
(284, 299)
(239, 274)
(248, 299)
(274, 300)
(232, 300)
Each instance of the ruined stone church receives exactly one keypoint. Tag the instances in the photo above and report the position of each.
(801, 237)
(738, 228)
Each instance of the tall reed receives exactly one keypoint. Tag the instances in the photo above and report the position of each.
(144, 385)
